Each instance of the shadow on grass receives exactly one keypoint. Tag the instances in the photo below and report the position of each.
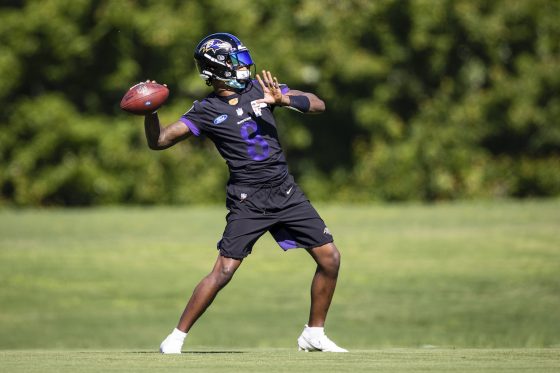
(188, 352)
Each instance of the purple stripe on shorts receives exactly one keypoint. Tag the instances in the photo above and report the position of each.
(287, 244)
(194, 129)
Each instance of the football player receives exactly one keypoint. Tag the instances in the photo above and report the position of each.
(262, 196)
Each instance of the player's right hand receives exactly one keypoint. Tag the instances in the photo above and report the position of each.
(271, 88)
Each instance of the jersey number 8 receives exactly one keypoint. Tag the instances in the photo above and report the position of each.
(250, 133)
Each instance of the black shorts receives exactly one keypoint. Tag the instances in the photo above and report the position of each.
(282, 210)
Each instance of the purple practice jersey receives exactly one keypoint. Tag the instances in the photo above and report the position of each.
(243, 132)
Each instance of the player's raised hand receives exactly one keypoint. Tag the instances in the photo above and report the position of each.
(272, 92)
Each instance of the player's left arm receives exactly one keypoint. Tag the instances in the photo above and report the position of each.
(303, 102)
(316, 105)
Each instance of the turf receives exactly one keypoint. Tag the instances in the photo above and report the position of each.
(282, 360)
(461, 275)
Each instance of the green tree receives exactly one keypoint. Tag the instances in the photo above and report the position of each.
(426, 100)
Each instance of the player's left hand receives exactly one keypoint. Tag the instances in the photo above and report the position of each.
(272, 92)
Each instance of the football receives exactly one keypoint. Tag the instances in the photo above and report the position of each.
(144, 98)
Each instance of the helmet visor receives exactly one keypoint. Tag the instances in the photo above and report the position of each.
(242, 58)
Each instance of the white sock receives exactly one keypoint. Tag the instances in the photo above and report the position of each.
(315, 331)
(178, 335)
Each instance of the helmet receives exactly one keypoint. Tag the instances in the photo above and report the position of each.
(220, 56)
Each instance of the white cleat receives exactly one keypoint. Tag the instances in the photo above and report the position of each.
(171, 345)
(309, 343)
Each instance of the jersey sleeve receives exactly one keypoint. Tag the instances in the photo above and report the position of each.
(193, 119)
(284, 88)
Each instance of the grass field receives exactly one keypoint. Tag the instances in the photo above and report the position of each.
(283, 360)
(448, 287)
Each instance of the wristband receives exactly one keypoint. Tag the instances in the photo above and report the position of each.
(300, 103)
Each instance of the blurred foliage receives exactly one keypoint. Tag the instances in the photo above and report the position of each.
(426, 100)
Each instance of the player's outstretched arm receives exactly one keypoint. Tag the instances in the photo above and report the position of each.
(159, 137)
(316, 105)
(304, 102)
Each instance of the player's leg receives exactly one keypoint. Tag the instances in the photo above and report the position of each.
(206, 291)
(301, 226)
(202, 297)
(313, 337)
(327, 258)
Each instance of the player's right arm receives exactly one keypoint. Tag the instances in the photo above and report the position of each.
(159, 137)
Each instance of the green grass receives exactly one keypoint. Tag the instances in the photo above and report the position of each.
(452, 276)
(282, 360)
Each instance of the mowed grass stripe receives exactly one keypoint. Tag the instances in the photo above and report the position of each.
(282, 360)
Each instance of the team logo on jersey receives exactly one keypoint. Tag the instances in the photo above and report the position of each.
(239, 112)
(326, 231)
(220, 119)
(257, 107)
(233, 101)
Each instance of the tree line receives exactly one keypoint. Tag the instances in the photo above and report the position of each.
(426, 99)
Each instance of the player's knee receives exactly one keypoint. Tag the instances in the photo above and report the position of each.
(330, 260)
(225, 274)
(221, 276)
(335, 259)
